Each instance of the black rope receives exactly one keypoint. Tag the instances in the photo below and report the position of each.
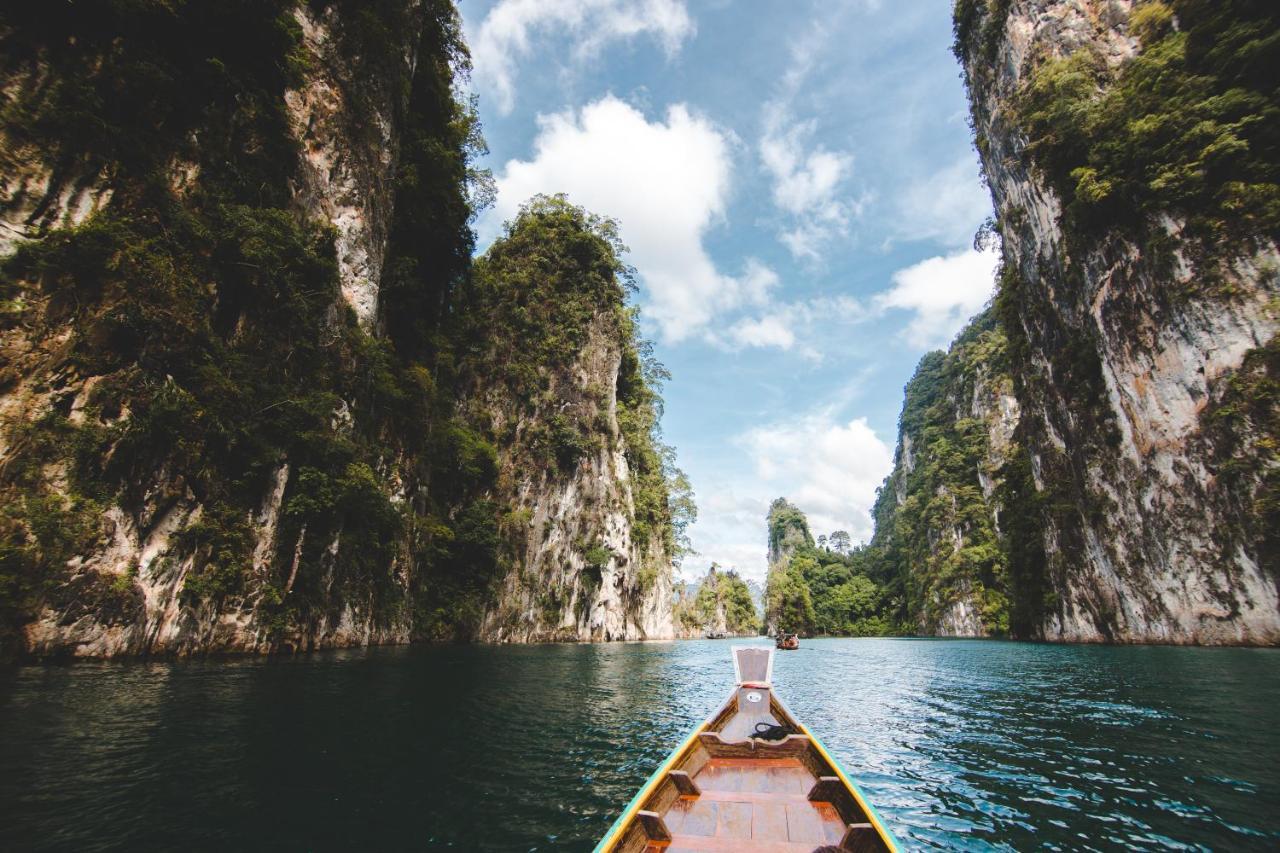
(768, 731)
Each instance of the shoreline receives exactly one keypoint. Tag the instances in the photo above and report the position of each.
(231, 655)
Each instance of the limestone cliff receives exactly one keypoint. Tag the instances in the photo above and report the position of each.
(243, 392)
(788, 533)
(939, 514)
(719, 605)
(590, 534)
(1133, 170)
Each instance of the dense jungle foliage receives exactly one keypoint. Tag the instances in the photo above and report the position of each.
(820, 587)
(202, 312)
(1190, 126)
(936, 539)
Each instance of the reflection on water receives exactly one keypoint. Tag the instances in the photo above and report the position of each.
(961, 744)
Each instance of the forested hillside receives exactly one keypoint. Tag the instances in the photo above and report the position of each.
(820, 586)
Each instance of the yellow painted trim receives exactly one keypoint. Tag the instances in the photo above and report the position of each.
(849, 783)
(624, 820)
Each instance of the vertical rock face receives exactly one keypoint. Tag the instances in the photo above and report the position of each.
(1142, 336)
(788, 530)
(788, 533)
(348, 127)
(938, 514)
(239, 406)
(578, 572)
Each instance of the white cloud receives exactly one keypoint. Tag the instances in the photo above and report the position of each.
(808, 178)
(768, 331)
(757, 282)
(731, 531)
(780, 324)
(666, 182)
(947, 206)
(807, 185)
(830, 468)
(944, 292)
(505, 33)
(803, 182)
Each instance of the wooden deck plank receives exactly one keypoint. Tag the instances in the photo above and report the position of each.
(719, 778)
(773, 761)
(679, 809)
(803, 824)
(757, 781)
(701, 818)
(769, 822)
(796, 781)
(691, 844)
(734, 820)
(752, 797)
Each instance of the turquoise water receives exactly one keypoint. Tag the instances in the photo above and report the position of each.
(960, 744)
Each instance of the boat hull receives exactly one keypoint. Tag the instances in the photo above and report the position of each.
(727, 788)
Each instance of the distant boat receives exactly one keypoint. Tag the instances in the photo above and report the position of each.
(751, 777)
(788, 642)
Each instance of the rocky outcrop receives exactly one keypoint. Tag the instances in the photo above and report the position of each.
(720, 605)
(938, 515)
(788, 531)
(1130, 342)
(579, 573)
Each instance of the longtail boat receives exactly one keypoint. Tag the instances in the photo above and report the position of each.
(750, 778)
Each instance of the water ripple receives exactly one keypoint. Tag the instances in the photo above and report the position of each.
(962, 745)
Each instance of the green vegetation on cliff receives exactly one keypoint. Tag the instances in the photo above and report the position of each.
(192, 340)
(1165, 159)
(935, 537)
(819, 588)
(1190, 126)
(201, 314)
(722, 604)
(956, 522)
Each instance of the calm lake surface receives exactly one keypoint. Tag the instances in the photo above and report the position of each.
(960, 744)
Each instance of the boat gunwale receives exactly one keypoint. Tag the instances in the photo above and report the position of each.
(623, 821)
(863, 802)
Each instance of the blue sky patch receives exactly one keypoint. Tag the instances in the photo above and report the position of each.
(798, 188)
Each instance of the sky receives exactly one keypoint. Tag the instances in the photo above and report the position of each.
(799, 192)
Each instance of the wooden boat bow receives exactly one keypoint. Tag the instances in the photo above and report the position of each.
(724, 788)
